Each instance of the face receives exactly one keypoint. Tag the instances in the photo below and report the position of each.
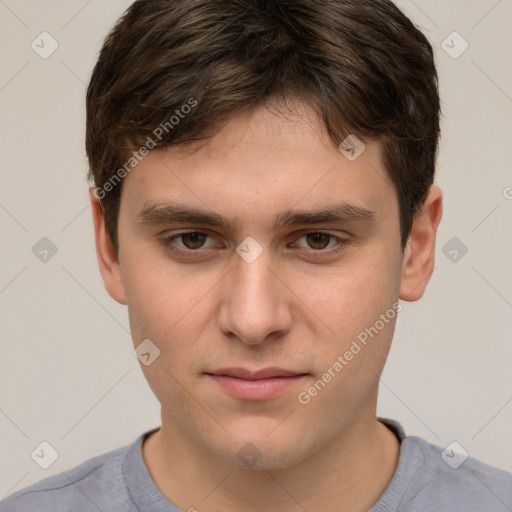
(266, 268)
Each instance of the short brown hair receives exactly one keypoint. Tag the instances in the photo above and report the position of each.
(361, 64)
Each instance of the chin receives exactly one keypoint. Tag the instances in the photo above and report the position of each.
(252, 458)
(260, 451)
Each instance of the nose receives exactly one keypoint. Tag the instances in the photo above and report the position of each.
(255, 303)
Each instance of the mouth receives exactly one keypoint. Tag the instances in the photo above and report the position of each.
(256, 385)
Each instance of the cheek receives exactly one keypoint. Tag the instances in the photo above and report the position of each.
(349, 368)
(174, 309)
(351, 298)
(158, 296)
(358, 306)
(166, 308)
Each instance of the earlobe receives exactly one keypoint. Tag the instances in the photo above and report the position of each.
(108, 261)
(419, 253)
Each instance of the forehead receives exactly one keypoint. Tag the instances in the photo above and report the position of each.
(261, 162)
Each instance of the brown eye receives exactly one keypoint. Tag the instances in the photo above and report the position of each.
(193, 240)
(318, 240)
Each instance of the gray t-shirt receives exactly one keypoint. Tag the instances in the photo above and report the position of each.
(424, 481)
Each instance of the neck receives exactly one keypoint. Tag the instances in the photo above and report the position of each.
(349, 473)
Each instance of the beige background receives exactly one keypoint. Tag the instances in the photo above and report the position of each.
(67, 372)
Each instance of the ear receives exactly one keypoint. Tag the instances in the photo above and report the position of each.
(418, 262)
(110, 267)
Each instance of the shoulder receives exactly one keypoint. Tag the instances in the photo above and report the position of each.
(91, 486)
(449, 479)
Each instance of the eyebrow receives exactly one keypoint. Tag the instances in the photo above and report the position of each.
(174, 213)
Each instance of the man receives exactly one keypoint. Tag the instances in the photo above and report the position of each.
(263, 199)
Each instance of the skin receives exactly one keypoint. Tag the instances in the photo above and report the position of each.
(290, 308)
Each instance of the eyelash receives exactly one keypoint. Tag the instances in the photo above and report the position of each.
(169, 242)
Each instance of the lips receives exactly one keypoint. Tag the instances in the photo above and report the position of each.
(264, 373)
(262, 384)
